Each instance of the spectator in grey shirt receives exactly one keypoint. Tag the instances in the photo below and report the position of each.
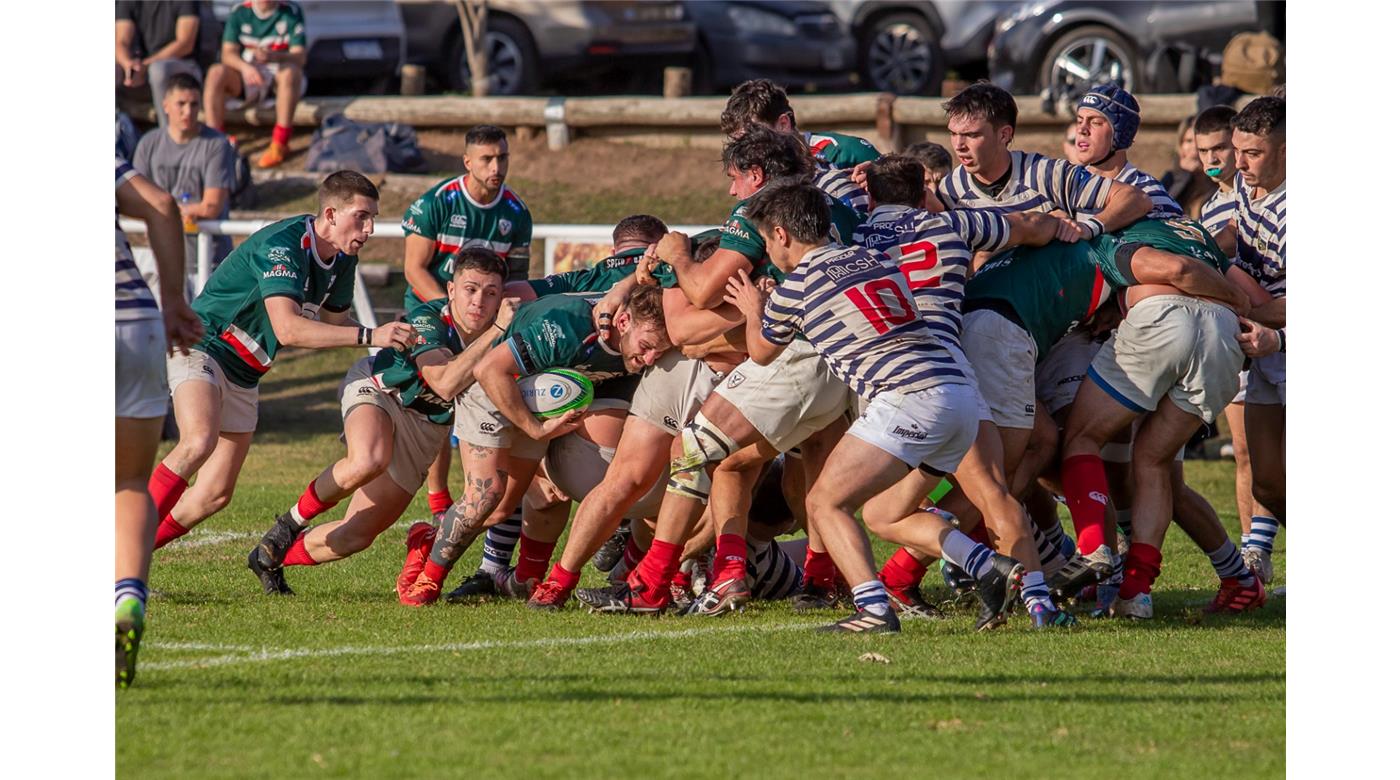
(191, 161)
(156, 40)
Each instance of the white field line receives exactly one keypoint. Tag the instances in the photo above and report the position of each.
(199, 538)
(177, 646)
(273, 654)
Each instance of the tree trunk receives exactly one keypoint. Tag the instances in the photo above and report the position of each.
(472, 16)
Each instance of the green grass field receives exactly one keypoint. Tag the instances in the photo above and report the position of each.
(342, 681)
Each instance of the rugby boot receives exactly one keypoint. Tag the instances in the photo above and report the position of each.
(131, 624)
(865, 622)
(998, 591)
(632, 596)
(420, 543)
(1234, 597)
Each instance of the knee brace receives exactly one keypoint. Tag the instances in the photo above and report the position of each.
(702, 444)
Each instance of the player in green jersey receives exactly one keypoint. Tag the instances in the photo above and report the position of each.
(1173, 345)
(763, 102)
(474, 209)
(502, 440)
(397, 408)
(630, 239)
(290, 284)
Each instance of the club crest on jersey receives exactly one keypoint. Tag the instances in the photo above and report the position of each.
(279, 254)
(281, 26)
(735, 379)
(503, 226)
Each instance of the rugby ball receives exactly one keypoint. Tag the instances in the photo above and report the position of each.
(555, 392)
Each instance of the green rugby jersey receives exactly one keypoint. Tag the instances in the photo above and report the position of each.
(602, 275)
(1179, 236)
(397, 373)
(740, 235)
(282, 30)
(842, 151)
(557, 332)
(447, 216)
(278, 260)
(1051, 289)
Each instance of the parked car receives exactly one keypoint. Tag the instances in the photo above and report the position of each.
(907, 46)
(531, 41)
(360, 44)
(797, 43)
(1065, 46)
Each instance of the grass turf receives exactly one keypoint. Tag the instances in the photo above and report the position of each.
(342, 681)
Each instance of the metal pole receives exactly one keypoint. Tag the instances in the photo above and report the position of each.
(204, 255)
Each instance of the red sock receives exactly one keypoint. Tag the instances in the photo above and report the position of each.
(435, 571)
(819, 569)
(166, 487)
(682, 578)
(297, 555)
(281, 134)
(631, 554)
(439, 502)
(1086, 492)
(660, 564)
(534, 559)
(979, 534)
(168, 532)
(309, 505)
(568, 579)
(731, 553)
(1140, 570)
(902, 571)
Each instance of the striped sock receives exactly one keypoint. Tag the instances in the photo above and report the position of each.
(1262, 530)
(499, 546)
(1035, 591)
(1056, 536)
(871, 597)
(1050, 557)
(1115, 579)
(773, 572)
(131, 588)
(1228, 563)
(1125, 523)
(972, 557)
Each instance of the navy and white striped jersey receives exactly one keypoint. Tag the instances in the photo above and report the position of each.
(1263, 235)
(1164, 206)
(134, 298)
(1037, 183)
(837, 183)
(934, 252)
(1218, 210)
(857, 310)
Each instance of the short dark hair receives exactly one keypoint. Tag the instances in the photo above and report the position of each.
(1263, 116)
(485, 134)
(343, 186)
(896, 179)
(478, 258)
(776, 154)
(757, 101)
(932, 156)
(644, 303)
(984, 101)
(639, 227)
(180, 81)
(705, 248)
(1214, 119)
(799, 208)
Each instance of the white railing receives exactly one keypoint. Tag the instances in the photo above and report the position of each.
(552, 235)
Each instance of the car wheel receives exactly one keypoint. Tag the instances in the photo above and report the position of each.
(510, 56)
(1087, 56)
(899, 53)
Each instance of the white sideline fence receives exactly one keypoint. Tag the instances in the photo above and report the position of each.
(552, 235)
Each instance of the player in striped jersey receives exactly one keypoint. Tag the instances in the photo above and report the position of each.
(397, 410)
(1106, 123)
(856, 309)
(288, 285)
(1261, 216)
(934, 253)
(981, 125)
(142, 334)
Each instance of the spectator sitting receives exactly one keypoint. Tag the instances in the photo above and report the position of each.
(155, 41)
(190, 161)
(935, 159)
(264, 49)
(1187, 181)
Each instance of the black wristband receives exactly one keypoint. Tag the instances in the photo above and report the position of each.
(1279, 331)
(364, 336)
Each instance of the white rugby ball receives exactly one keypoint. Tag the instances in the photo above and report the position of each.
(555, 392)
